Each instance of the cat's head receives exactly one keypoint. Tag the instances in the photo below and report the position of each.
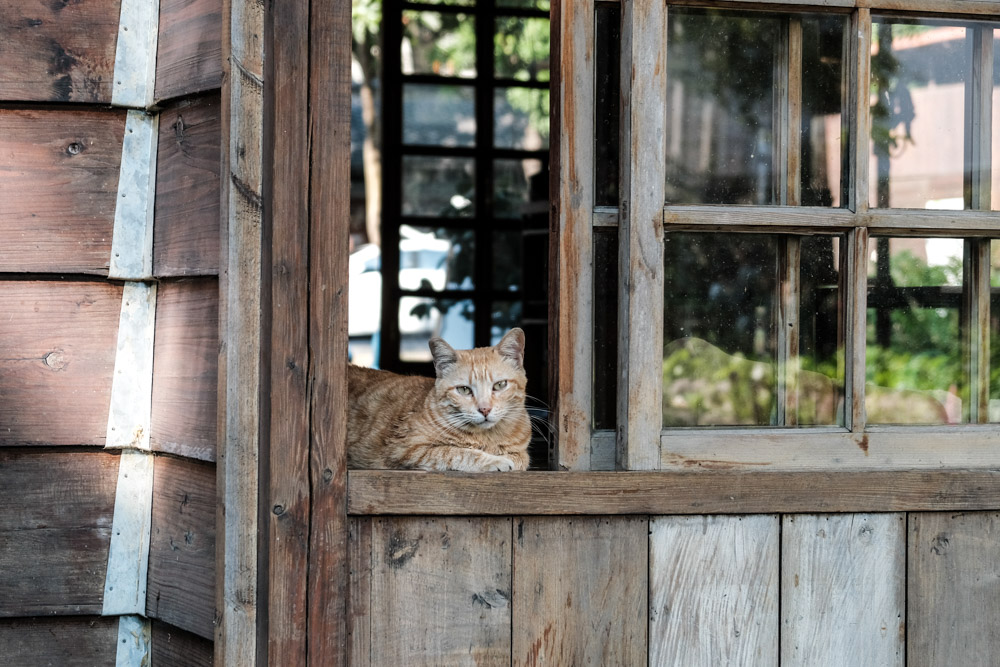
(481, 387)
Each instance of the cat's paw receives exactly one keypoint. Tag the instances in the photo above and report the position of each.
(501, 464)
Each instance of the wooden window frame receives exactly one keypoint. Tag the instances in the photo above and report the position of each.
(639, 442)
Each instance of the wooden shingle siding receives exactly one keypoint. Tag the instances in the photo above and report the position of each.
(58, 355)
(186, 214)
(173, 647)
(58, 178)
(180, 589)
(69, 641)
(185, 368)
(54, 559)
(189, 48)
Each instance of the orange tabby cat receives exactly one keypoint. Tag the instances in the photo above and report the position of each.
(471, 417)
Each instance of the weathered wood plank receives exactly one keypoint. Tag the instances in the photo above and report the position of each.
(571, 243)
(640, 227)
(359, 610)
(843, 589)
(953, 603)
(713, 590)
(58, 179)
(186, 233)
(55, 530)
(173, 647)
(59, 642)
(697, 492)
(56, 361)
(580, 591)
(57, 51)
(185, 369)
(329, 206)
(181, 583)
(189, 47)
(442, 588)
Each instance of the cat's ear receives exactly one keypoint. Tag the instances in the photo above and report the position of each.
(443, 354)
(511, 346)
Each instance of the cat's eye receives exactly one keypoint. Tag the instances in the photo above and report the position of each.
(463, 390)
(502, 384)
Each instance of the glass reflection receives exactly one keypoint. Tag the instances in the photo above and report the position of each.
(607, 109)
(442, 43)
(421, 318)
(521, 49)
(515, 184)
(507, 251)
(521, 118)
(914, 367)
(995, 154)
(506, 315)
(994, 378)
(721, 360)
(439, 187)
(822, 102)
(439, 115)
(919, 72)
(436, 259)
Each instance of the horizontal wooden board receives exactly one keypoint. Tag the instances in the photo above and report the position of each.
(185, 368)
(173, 647)
(441, 588)
(82, 641)
(57, 354)
(58, 179)
(181, 581)
(699, 492)
(954, 589)
(55, 530)
(57, 51)
(580, 591)
(186, 224)
(189, 47)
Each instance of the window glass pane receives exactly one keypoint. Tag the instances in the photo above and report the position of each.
(506, 316)
(994, 401)
(442, 43)
(919, 72)
(515, 184)
(421, 318)
(521, 118)
(605, 327)
(607, 104)
(720, 107)
(439, 115)
(521, 49)
(822, 101)
(525, 4)
(995, 153)
(439, 187)
(436, 258)
(914, 366)
(506, 251)
(722, 359)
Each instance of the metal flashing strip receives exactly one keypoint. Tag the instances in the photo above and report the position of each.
(135, 54)
(132, 383)
(132, 237)
(134, 642)
(128, 557)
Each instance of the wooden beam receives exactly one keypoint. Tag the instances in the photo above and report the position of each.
(379, 492)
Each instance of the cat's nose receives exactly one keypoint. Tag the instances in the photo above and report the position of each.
(485, 411)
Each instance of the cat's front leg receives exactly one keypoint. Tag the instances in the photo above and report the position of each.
(449, 457)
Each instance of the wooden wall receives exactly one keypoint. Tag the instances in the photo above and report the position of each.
(919, 588)
(61, 158)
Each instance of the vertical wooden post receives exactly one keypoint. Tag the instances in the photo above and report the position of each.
(571, 244)
(640, 246)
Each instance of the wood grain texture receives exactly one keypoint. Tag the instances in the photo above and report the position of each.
(55, 530)
(953, 604)
(58, 51)
(173, 647)
(359, 609)
(640, 226)
(56, 361)
(329, 208)
(81, 641)
(188, 47)
(580, 591)
(571, 236)
(58, 179)
(713, 590)
(185, 369)
(843, 589)
(181, 582)
(442, 591)
(186, 233)
(372, 492)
